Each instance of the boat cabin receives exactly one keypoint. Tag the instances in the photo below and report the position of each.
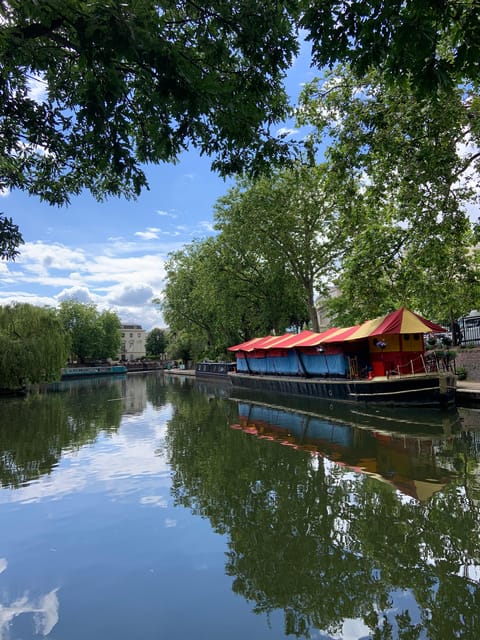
(387, 346)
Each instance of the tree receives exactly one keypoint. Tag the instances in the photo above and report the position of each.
(33, 345)
(181, 346)
(124, 84)
(94, 335)
(109, 327)
(405, 170)
(434, 43)
(287, 221)
(156, 342)
(220, 294)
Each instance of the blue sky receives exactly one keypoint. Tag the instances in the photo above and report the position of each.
(113, 253)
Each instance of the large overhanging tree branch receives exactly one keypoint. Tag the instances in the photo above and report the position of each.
(125, 84)
(433, 43)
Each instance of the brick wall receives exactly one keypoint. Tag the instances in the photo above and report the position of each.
(470, 359)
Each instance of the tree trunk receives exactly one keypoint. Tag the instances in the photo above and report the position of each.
(312, 312)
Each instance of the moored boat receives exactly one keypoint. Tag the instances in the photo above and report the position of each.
(382, 361)
(211, 369)
(73, 373)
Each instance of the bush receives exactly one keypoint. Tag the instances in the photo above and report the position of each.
(461, 373)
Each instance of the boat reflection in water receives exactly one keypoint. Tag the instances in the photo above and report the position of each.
(399, 447)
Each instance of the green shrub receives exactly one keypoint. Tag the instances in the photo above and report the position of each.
(461, 373)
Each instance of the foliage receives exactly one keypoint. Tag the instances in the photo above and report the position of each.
(156, 342)
(461, 373)
(286, 221)
(220, 294)
(33, 345)
(405, 168)
(91, 91)
(109, 328)
(10, 239)
(182, 346)
(433, 43)
(94, 335)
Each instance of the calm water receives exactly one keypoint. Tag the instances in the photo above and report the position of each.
(156, 507)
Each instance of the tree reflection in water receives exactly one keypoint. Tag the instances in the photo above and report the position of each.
(34, 431)
(309, 532)
(327, 544)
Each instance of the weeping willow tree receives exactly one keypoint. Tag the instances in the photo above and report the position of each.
(33, 345)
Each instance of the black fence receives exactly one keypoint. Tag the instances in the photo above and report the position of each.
(470, 330)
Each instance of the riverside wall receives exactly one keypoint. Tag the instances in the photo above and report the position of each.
(470, 359)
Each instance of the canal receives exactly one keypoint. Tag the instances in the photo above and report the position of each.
(158, 507)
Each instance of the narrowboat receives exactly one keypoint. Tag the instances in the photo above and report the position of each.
(382, 361)
(75, 373)
(211, 369)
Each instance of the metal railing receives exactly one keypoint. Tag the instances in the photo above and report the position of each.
(469, 330)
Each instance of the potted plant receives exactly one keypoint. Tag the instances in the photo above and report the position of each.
(461, 373)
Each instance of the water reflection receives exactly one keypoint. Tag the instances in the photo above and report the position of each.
(412, 463)
(327, 545)
(334, 523)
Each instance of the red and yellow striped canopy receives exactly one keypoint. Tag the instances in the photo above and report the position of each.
(397, 322)
(401, 321)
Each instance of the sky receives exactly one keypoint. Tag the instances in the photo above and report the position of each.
(113, 254)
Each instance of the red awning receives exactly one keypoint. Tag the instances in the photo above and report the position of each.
(249, 345)
(339, 335)
(257, 343)
(289, 340)
(401, 321)
(318, 338)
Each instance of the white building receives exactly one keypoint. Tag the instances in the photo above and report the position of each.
(133, 342)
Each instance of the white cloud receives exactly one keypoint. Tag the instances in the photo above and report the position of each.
(81, 294)
(113, 277)
(131, 295)
(206, 225)
(34, 299)
(156, 501)
(286, 132)
(39, 257)
(37, 88)
(170, 522)
(149, 234)
(166, 214)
